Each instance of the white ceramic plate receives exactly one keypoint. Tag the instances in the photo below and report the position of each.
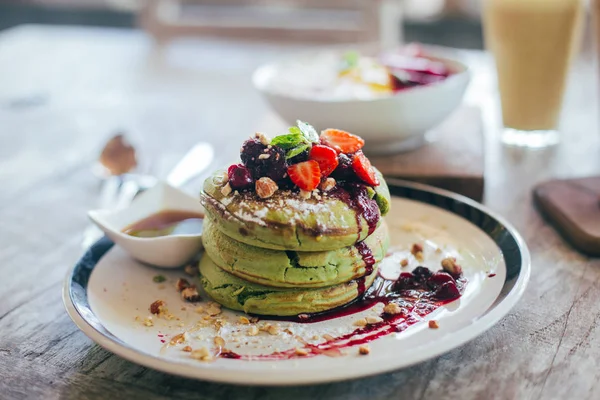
(107, 294)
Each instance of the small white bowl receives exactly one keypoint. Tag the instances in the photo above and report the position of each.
(165, 251)
(393, 123)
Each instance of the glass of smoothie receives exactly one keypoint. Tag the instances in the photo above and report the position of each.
(533, 43)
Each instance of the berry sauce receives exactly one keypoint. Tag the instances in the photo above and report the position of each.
(416, 295)
(355, 195)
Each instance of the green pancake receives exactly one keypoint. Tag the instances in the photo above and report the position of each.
(289, 268)
(237, 294)
(285, 221)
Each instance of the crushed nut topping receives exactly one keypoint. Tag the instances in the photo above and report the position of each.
(392, 308)
(253, 330)
(148, 321)
(262, 138)
(272, 329)
(364, 350)
(433, 324)
(360, 322)
(244, 320)
(213, 309)
(187, 349)
(182, 284)
(219, 341)
(191, 294)
(327, 184)
(199, 309)
(449, 264)
(301, 352)
(416, 248)
(265, 187)
(373, 320)
(404, 262)
(157, 307)
(178, 339)
(201, 354)
(304, 194)
(327, 337)
(264, 156)
(226, 190)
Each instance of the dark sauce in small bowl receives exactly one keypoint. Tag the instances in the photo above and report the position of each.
(167, 223)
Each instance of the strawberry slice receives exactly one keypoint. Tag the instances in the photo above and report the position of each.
(306, 175)
(363, 169)
(342, 141)
(326, 157)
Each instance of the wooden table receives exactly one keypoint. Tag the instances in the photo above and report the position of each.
(63, 91)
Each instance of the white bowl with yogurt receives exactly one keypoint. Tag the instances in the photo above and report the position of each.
(308, 87)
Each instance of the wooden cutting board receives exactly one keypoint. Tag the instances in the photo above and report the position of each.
(573, 207)
(453, 161)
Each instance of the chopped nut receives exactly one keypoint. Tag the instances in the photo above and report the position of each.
(191, 269)
(373, 320)
(264, 156)
(327, 184)
(392, 308)
(360, 322)
(416, 248)
(226, 190)
(148, 321)
(449, 264)
(182, 284)
(288, 331)
(187, 349)
(254, 319)
(274, 329)
(265, 187)
(433, 324)
(191, 294)
(419, 256)
(301, 352)
(157, 307)
(262, 138)
(364, 350)
(404, 262)
(305, 194)
(315, 337)
(214, 309)
(199, 309)
(178, 339)
(219, 341)
(244, 320)
(438, 251)
(201, 354)
(253, 330)
(327, 337)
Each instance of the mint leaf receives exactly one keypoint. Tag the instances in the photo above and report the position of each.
(289, 141)
(308, 131)
(295, 130)
(296, 150)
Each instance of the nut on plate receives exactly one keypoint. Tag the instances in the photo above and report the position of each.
(364, 350)
(181, 284)
(433, 324)
(157, 307)
(191, 294)
(327, 184)
(450, 265)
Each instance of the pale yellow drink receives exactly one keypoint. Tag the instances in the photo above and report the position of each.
(533, 42)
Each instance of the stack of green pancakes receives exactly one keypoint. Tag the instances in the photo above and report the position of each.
(290, 254)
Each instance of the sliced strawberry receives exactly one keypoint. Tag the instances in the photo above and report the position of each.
(306, 175)
(342, 141)
(363, 169)
(326, 157)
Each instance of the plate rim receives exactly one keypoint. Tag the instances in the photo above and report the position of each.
(461, 336)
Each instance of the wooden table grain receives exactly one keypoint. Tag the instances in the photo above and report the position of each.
(64, 91)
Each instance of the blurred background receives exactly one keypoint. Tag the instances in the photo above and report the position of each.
(454, 23)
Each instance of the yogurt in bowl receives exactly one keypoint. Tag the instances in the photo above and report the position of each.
(392, 99)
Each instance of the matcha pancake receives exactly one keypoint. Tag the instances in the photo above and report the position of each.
(287, 221)
(289, 268)
(237, 294)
